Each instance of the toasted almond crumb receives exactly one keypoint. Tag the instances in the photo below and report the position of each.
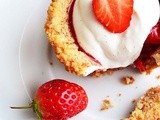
(51, 63)
(158, 77)
(156, 56)
(119, 94)
(134, 101)
(106, 105)
(127, 80)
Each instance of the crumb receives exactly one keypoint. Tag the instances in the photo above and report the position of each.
(158, 77)
(127, 80)
(51, 63)
(119, 94)
(134, 101)
(106, 105)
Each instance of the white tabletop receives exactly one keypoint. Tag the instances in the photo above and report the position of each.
(14, 14)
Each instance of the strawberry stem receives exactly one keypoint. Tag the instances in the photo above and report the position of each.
(35, 108)
(23, 107)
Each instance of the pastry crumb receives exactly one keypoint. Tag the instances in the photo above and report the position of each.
(134, 101)
(106, 105)
(158, 77)
(119, 94)
(127, 80)
(51, 63)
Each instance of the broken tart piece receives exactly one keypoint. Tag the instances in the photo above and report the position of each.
(94, 37)
(148, 107)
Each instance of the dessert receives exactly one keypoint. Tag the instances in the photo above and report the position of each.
(148, 107)
(86, 42)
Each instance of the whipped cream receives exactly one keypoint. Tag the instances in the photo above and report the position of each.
(114, 50)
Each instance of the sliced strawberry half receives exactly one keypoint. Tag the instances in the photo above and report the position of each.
(115, 15)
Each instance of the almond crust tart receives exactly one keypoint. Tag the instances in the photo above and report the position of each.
(148, 107)
(61, 36)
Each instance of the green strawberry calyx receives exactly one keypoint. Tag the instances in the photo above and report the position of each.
(35, 108)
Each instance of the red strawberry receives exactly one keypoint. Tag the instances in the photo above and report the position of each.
(115, 15)
(154, 36)
(59, 100)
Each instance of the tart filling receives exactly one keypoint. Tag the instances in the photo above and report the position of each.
(114, 50)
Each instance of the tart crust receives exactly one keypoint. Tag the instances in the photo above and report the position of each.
(148, 107)
(60, 38)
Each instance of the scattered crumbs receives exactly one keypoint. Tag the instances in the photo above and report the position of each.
(127, 80)
(106, 105)
(158, 77)
(134, 101)
(51, 63)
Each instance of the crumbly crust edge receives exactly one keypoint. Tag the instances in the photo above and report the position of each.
(148, 107)
(59, 37)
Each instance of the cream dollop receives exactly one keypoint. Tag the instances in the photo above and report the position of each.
(114, 50)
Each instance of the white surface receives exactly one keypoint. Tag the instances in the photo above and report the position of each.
(14, 14)
(35, 55)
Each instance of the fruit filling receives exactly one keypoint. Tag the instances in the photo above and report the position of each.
(113, 32)
(150, 54)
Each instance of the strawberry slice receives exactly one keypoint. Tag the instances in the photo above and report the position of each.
(115, 15)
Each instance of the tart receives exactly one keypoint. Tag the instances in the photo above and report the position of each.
(148, 107)
(92, 37)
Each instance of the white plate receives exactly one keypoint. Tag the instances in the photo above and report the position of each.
(36, 55)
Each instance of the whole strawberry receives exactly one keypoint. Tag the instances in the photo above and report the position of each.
(59, 100)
